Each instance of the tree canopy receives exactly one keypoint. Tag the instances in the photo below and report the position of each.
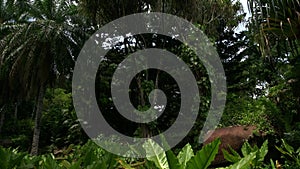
(40, 41)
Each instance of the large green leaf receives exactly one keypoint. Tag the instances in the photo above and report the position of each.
(185, 155)
(244, 163)
(247, 149)
(156, 154)
(173, 161)
(205, 156)
(263, 151)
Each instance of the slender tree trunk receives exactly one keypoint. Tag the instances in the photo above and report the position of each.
(16, 111)
(2, 112)
(37, 125)
(156, 86)
(142, 103)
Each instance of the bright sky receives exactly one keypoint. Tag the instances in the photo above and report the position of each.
(245, 6)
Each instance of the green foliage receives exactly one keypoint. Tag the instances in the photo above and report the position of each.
(291, 155)
(10, 158)
(173, 161)
(60, 124)
(283, 95)
(156, 154)
(185, 158)
(39, 42)
(93, 157)
(234, 157)
(252, 156)
(205, 156)
(275, 27)
(18, 125)
(244, 111)
(244, 163)
(185, 155)
(88, 156)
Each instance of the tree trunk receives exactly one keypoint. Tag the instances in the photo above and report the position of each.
(16, 111)
(145, 131)
(37, 125)
(2, 112)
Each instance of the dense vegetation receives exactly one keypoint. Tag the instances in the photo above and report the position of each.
(41, 39)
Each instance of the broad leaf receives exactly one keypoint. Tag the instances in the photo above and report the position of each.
(263, 151)
(246, 149)
(185, 155)
(156, 154)
(173, 161)
(205, 156)
(244, 163)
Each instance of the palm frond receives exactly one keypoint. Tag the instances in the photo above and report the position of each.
(279, 18)
(30, 49)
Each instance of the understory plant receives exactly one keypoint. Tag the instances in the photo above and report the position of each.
(291, 155)
(90, 156)
(253, 156)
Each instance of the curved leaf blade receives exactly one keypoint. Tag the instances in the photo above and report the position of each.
(205, 156)
(156, 154)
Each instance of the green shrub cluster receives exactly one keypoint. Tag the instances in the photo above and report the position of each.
(91, 156)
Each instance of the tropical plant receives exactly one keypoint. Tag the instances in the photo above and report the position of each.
(60, 124)
(291, 155)
(186, 157)
(254, 155)
(10, 158)
(11, 10)
(275, 25)
(277, 19)
(243, 110)
(74, 157)
(36, 52)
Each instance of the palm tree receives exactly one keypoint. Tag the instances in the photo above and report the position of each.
(39, 50)
(8, 13)
(277, 28)
(276, 19)
(277, 32)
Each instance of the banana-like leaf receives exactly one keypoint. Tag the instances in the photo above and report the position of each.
(156, 154)
(173, 161)
(185, 155)
(205, 156)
